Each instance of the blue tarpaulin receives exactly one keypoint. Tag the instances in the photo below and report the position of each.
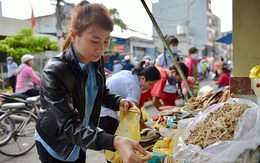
(226, 39)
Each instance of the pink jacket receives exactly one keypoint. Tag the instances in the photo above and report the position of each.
(26, 77)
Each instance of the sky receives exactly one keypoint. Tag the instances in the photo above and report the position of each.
(131, 12)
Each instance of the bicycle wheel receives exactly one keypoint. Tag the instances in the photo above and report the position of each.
(22, 137)
(6, 128)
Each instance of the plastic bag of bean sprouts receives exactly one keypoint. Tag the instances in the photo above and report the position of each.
(224, 133)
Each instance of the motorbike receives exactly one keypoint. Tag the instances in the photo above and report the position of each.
(15, 98)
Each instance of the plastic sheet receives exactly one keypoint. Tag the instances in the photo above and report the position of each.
(246, 138)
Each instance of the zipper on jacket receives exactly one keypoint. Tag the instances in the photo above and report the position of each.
(102, 92)
(102, 89)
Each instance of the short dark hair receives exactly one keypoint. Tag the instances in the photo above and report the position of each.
(225, 69)
(184, 69)
(193, 50)
(151, 73)
(171, 39)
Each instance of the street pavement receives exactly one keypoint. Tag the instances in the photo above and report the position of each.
(91, 156)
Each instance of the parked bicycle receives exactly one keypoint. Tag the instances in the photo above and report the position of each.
(17, 126)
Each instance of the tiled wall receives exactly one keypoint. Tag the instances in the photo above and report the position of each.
(241, 86)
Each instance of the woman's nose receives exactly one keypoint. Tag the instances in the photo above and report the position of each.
(101, 49)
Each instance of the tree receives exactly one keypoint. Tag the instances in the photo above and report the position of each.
(62, 17)
(24, 42)
(119, 22)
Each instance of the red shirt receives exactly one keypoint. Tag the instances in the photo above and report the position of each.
(224, 79)
(156, 90)
(191, 85)
(145, 96)
(191, 64)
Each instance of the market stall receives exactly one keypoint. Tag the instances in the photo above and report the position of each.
(214, 127)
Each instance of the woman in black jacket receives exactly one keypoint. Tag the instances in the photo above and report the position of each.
(73, 90)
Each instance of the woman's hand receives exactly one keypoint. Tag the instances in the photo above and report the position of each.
(191, 78)
(131, 151)
(125, 104)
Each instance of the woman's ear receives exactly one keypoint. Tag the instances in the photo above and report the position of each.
(72, 35)
(173, 72)
(142, 79)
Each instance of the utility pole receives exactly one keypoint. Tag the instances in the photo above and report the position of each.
(58, 24)
(187, 24)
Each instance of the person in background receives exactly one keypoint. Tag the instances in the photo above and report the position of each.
(216, 65)
(193, 88)
(136, 62)
(191, 63)
(222, 63)
(224, 78)
(205, 69)
(127, 65)
(182, 59)
(11, 67)
(199, 68)
(164, 60)
(73, 90)
(147, 60)
(155, 92)
(130, 85)
(117, 67)
(107, 71)
(170, 75)
(26, 77)
(146, 95)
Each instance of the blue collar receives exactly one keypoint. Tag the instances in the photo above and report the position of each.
(167, 54)
(82, 66)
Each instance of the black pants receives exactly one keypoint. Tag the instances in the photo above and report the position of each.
(109, 125)
(32, 92)
(45, 157)
(12, 82)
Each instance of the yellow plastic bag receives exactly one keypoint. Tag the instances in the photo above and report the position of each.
(144, 114)
(128, 127)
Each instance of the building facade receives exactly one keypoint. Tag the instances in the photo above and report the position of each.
(191, 21)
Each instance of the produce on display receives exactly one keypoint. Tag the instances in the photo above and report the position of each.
(224, 132)
(218, 126)
(201, 103)
(148, 138)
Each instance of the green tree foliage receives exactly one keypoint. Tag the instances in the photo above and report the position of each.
(119, 22)
(24, 42)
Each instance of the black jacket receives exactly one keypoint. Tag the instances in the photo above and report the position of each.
(62, 92)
